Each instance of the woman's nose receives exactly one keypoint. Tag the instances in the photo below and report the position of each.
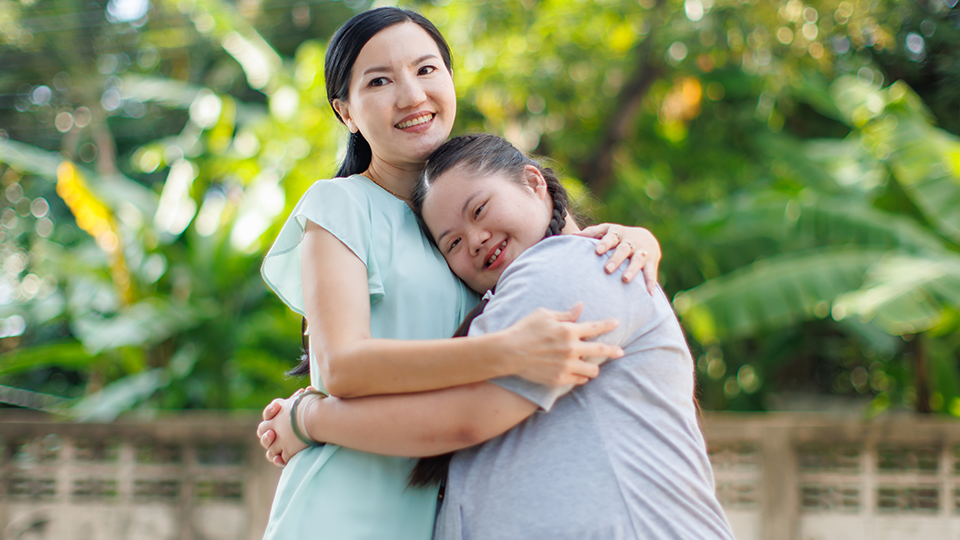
(411, 93)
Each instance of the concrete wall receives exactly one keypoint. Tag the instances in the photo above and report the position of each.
(780, 476)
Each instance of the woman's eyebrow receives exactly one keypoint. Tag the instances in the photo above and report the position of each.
(382, 69)
(463, 210)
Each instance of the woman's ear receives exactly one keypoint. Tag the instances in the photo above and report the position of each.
(533, 179)
(343, 109)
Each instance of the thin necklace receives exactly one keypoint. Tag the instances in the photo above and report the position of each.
(385, 188)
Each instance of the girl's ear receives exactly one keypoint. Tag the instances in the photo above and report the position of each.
(533, 179)
(343, 109)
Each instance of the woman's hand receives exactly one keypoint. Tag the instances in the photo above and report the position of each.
(549, 346)
(276, 433)
(634, 243)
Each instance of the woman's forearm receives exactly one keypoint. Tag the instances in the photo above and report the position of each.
(414, 425)
(371, 367)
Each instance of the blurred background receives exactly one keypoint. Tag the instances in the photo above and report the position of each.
(798, 161)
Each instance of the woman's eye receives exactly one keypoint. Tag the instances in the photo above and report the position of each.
(379, 81)
(426, 70)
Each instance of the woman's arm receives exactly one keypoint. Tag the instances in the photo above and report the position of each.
(543, 347)
(413, 425)
(634, 243)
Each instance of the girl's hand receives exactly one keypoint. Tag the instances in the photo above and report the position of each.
(549, 346)
(275, 432)
(634, 243)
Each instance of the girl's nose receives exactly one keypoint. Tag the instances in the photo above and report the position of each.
(478, 241)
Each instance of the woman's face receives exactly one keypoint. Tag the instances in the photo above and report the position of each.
(402, 98)
(483, 223)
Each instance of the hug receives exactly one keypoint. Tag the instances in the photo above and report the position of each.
(545, 443)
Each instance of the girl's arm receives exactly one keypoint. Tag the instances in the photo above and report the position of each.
(545, 347)
(413, 425)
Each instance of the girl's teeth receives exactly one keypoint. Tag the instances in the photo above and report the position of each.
(496, 253)
(416, 121)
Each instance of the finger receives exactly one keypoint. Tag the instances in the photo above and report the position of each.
(594, 231)
(650, 276)
(594, 349)
(609, 241)
(592, 329)
(570, 315)
(623, 252)
(581, 368)
(579, 380)
(637, 262)
(268, 438)
(272, 409)
(278, 461)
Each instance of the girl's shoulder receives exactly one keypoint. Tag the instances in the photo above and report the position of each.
(560, 249)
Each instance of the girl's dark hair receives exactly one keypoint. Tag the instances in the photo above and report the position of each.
(345, 46)
(483, 154)
(478, 155)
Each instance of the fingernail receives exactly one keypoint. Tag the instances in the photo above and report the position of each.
(610, 267)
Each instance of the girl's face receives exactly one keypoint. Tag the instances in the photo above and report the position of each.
(483, 223)
(402, 98)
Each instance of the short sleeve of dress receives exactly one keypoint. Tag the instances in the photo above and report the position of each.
(342, 208)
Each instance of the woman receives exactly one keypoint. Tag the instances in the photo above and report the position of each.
(619, 458)
(353, 259)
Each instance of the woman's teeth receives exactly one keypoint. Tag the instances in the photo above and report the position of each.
(416, 121)
(496, 253)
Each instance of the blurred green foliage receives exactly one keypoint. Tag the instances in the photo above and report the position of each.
(798, 161)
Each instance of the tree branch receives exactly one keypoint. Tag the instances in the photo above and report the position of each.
(597, 171)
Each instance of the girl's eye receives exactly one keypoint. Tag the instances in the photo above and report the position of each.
(379, 81)
(477, 212)
(454, 244)
(426, 70)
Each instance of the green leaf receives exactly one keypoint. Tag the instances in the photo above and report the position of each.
(144, 323)
(68, 355)
(119, 396)
(905, 294)
(774, 292)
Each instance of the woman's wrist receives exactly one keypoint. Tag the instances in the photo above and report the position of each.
(500, 352)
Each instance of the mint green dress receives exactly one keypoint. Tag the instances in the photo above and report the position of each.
(340, 493)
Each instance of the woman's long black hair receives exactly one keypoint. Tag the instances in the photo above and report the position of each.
(478, 155)
(345, 46)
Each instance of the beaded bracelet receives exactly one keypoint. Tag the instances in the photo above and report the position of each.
(293, 417)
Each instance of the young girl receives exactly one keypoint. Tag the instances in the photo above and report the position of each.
(619, 458)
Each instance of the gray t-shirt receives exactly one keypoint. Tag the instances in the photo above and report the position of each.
(621, 457)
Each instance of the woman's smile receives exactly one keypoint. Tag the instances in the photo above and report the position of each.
(418, 119)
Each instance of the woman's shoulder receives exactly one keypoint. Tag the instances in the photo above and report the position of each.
(354, 186)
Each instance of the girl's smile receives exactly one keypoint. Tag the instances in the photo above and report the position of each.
(482, 223)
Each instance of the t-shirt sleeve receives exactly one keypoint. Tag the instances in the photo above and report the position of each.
(342, 211)
(555, 274)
